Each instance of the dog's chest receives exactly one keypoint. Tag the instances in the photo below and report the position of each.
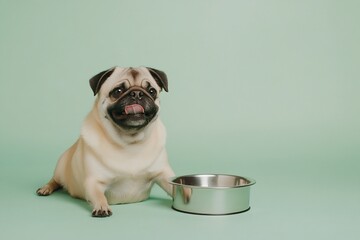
(129, 190)
(130, 160)
(130, 177)
(127, 165)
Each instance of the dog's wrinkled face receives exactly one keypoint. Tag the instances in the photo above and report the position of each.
(129, 96)
(133, 106)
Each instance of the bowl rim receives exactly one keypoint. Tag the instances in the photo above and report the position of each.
(251, 181)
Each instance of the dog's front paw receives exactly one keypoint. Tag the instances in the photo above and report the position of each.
(101, 212)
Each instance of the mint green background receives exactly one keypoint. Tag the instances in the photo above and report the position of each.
(265, 89)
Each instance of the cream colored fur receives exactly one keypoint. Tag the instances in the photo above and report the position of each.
(108, 165)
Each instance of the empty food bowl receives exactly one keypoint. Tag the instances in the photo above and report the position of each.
(211, 194)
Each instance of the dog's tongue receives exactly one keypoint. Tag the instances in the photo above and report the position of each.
(134, 109)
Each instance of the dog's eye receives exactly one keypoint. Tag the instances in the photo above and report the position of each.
(152, 92)
(116, 93)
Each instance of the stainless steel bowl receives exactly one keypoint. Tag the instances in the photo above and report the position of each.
(211, 194)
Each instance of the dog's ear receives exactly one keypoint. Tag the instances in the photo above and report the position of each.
(97, 80)
(160, 78)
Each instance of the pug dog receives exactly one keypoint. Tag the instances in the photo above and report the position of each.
(121, 151)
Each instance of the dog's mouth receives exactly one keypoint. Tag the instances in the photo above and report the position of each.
(132, 115)
(129, 111)
(134, 109)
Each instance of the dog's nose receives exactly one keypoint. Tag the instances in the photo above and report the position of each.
(136, 94)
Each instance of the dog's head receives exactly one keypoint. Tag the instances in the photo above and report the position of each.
(129, 97)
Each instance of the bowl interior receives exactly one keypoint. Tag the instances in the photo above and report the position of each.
(212, 181)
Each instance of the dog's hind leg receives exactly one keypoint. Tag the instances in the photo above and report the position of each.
(49, 188)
